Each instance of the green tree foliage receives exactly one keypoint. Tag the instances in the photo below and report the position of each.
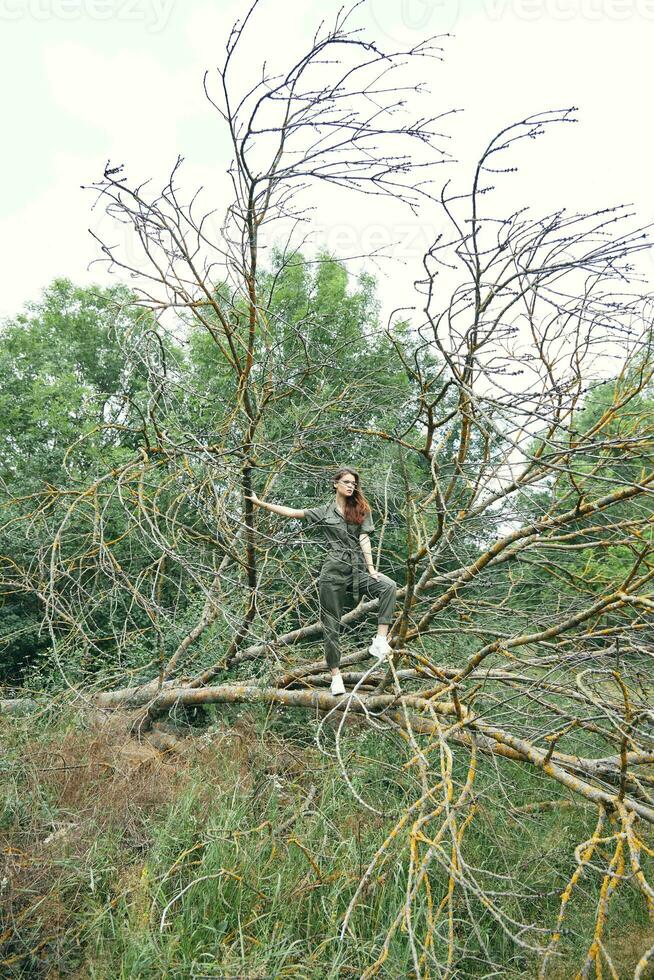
(71, 402)
(66, 373)
(610, 447)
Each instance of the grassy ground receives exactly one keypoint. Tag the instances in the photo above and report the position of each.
(239, 855)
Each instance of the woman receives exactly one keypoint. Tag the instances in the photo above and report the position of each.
(345, 524)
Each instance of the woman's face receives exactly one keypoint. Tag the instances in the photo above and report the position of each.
(346, 483)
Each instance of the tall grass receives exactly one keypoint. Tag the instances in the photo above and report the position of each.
(239, 856)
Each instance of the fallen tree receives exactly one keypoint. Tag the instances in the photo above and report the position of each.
(508, 451)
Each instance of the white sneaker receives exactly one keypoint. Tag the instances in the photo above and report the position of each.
(379, 647)
(337, 686)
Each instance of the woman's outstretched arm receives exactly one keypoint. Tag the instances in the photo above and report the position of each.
(275, 508)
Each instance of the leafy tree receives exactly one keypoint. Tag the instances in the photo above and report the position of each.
(71, 401)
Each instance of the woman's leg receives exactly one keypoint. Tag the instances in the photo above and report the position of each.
(332, 596)
(385, 589)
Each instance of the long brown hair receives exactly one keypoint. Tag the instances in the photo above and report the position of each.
(356, 506)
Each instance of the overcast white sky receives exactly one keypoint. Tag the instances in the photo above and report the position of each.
(84, 81)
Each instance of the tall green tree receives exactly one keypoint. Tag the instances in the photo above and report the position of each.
(73, 391)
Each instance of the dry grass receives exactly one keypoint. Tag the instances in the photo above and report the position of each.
(70, 795)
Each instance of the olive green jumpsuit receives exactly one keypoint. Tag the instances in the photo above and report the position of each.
(344, 569)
